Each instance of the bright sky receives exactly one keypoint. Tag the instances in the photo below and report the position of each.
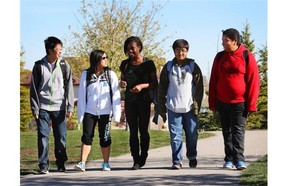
(198, 21)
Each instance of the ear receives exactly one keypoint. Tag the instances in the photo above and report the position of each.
(50, 51)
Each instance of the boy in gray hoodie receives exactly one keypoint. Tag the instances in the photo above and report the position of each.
(180, 93)
(52, 100)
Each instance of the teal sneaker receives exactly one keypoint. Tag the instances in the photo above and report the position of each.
(240, 165)
(228, 165)
(106, 166)
(80, 166)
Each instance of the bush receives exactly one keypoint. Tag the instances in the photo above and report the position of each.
(209, 121)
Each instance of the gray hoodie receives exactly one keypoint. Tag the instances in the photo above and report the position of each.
(47, 89)
(175, 90)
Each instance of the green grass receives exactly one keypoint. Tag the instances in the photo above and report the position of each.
(256, 173)
(120, 145)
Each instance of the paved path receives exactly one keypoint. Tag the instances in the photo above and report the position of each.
(157, 169)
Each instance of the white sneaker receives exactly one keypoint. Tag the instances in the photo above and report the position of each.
(106, 166)
(80, 166)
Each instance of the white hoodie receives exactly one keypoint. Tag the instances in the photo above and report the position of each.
(98, 97)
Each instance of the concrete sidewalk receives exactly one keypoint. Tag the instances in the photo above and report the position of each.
(157, 169)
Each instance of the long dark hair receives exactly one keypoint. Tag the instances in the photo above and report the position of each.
(95, 58)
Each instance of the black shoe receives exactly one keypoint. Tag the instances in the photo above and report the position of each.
(43, 170)
(135, 167)
(193, 163)
(61, 167)
(143, 158)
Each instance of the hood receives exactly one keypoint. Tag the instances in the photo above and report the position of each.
(239, 51)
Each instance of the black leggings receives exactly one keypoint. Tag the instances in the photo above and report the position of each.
(89, 124)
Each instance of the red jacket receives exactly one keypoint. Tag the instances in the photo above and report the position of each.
(232, 81)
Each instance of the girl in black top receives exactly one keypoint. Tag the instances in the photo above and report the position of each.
(138, 76)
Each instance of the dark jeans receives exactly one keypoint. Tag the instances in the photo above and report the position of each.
(233, 118)
(89, 124)
(58, 119)
(138, 118)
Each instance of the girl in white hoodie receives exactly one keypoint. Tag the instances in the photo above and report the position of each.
(98, 99)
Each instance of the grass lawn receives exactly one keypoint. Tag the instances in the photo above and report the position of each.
(120, 145)
(256, 173)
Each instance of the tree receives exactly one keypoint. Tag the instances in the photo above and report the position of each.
(262, 101)
(246, 40)
(106, 25)
(258, 120)
(25, 113)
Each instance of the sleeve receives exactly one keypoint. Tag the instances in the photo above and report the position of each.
(252, 83)
(34, 98)
(198, 77)
(116, 97)
(122, 66)
(162, 90)
(212, 85)
(81, 103)
(69, 90)
(153, 76)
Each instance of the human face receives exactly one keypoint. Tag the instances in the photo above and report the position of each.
(103, 61)
(56, 52)
(133, 50)
(228, 44)
(180, 54)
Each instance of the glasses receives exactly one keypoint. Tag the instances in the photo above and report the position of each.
(58, 49)
(106, 57)
(183, 50)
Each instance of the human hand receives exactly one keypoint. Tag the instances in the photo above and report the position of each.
(123, 84)
(68, 114)
(36, 116)
(136, 89)
(164, 117)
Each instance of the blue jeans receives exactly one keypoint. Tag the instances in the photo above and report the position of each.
(58, 119)
(177, 122)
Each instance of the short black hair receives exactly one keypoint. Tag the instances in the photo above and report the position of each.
(233, 34)
(133, 39)
(180, 43)
(51, 42)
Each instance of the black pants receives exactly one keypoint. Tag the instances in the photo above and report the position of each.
(89, 124)
(233, 120)
(138, 117)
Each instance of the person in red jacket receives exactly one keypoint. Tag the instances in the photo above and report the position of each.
(233, 93)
